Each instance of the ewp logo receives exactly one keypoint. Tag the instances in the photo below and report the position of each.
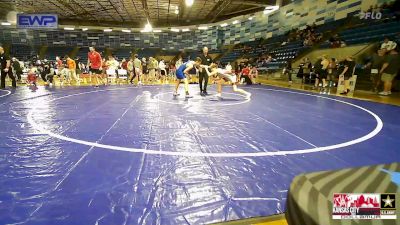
(37, 21)
(370, 15)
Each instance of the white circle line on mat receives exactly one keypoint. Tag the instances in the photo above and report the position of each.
(375, 131)
(4, 95)
(157, 96)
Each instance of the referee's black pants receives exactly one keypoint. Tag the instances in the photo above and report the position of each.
(203, 76)
(3, 78)
(134, 75)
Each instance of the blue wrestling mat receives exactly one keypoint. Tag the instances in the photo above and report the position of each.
(136, 155)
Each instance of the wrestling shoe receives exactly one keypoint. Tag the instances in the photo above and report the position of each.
(384, 93)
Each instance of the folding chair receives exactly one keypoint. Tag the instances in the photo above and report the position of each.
(111, 75)
(123, 74)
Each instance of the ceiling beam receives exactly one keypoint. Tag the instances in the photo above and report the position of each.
(241, 13)
(85, 13)
(182, 8)
(169, 6)
(126, 9)
(217, 9)
(146, 9)
(158, 10)
(202, 8)
(116, 10)
(244, 11)
(117, 24)
(4, 9)
(67, 6)
(259, 3)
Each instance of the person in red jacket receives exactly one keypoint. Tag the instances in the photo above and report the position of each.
(124, 64)
(95, 64)
(245, 74)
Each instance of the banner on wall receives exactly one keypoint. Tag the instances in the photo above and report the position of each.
(37, 21)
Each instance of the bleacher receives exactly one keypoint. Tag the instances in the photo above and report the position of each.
(148, 52)
(52, 52)
(122, 53)
(83, 53)
(22, 52)
(267, 46)
(232, 56)
(238, 52)
(215, 51)
(169, 52)
(370, 32)
(288, 51)
(190, 55)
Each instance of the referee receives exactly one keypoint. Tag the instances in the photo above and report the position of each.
(203, 76)
(6, 69)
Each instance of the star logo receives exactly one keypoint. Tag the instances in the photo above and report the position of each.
(388, 202)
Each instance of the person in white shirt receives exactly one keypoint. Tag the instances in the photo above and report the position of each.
(253, 74)
(136, 69)
(153, 68)
(112, 67)
(388, 45)
(163, 71)
(221, 75)
(228, 67)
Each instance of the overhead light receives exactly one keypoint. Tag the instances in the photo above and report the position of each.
(157, 31)
(270, 9)
(224, 25)
(107, 30)
(84, 29)
(275, 7)
(5, 23)
(144, 31)
(126, 31)
(175, 30)
(176, 11)
(203, 28)
(148, 27)
(235, 22)
(251, 18)
(69, 28)
(185, 30)
(189, 2)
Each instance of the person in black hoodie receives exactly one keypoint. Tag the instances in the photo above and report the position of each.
(6, 69)
(17, 68)
(203, 76)
(348, 70)
(288, 70)
(321, 71)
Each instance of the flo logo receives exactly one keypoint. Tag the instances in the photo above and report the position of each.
(370, 15)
